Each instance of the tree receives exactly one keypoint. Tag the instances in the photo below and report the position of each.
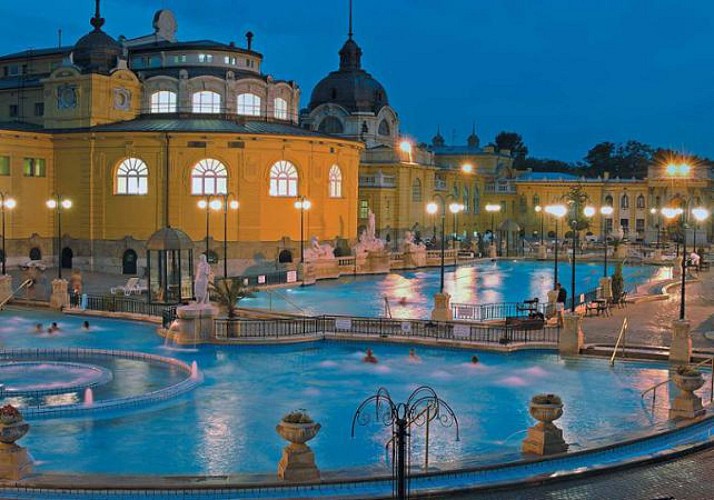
(513, 142)
(618, 283)
(634, 158)
(601, 158)
(577, 199)
(227, 293)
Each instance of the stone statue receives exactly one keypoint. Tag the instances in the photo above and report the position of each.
(319, 252)
(410, 244)
(371, 226)
(368, 242)
(200, 286)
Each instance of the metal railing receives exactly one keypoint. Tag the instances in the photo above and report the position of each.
(620, 338)
(655, 387)
(499, 310)
(24, 284)
(116, 303)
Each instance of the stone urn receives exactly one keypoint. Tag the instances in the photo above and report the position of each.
(545, 438)
(15, 462)
(687, 404)
(298, 460)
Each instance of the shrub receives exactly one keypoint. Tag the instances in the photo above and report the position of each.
(546, 399)
(297, 417)
(687, 371)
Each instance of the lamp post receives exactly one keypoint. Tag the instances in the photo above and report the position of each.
(5, 203)
(226, 203)
(455, 208)
(302, 204)
(700, 215)
(556, 211)
(492, 208)
(58, 203)
(654, 212)
(605, 211)
(432, 208)
(539, 210)
(672, 213)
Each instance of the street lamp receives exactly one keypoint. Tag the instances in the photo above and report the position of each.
(225, 203)
(605, 211)
(5, 203)
(492, 208)
(556, 211)
(654, 212)
(700, 215)
(209, 204)
(455, 208)
(302, 204)
(432, 208)
(58, 203)
(539, 210)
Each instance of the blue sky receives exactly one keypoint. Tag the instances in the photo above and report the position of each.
(564, 74)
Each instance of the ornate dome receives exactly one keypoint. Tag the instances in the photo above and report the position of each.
(96, 52)
(351, 87)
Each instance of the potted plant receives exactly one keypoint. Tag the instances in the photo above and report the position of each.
(297, 427)
(12, 425)
(687, 378)
(546, 408)
(227, 293)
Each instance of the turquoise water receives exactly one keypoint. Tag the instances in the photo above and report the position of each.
(411, 294)
(227, 424)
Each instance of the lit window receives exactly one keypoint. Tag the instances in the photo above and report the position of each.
(281, 108)
(132, 177)
(209, 177)
(625, 201)
(4, 165)
(249, 105)
(416, 190)
(180, 59)
(335, 182)
(283, 179)
(205, 58)
(34, 167)
(163, 101)
(206, 102)
(363, 209)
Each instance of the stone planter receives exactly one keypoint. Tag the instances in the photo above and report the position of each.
(9, 433)
(15, 462)
(298, 460)
(687, 404)
(545, 438)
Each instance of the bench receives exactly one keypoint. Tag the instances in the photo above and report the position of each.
(597, 306)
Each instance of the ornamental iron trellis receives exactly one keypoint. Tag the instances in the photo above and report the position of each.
(421, 408)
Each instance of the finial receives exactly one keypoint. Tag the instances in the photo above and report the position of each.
(97, 21)
(349, 34)
(249, 38)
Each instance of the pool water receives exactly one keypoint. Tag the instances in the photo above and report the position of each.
(411, 294)
(227, 424)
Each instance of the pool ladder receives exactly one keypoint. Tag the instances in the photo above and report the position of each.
(653, 389)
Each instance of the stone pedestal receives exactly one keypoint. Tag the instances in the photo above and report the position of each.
(606, 287)
(680, 350)
(15, 463)
(373, 262)
(687, 404)
(5, 288)
(657, 256)
(621, 251)
(550, 307)
(298, 460)
(492, 251)
(322, 269)
(542, 253)
(544, 439)
(194, 324)
(415, 258)
(306, 273)
(571, 335)
(442, 307)
(59, 298)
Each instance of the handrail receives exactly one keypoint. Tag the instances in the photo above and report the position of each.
(25, 283)
(701, 363)
(620, 337)
(271, 292)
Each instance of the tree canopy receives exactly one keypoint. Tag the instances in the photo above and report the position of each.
(513, 142)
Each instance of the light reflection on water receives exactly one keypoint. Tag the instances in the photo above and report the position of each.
(410, 294)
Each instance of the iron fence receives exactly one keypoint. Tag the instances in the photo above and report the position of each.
(116, 303)
(494, 311)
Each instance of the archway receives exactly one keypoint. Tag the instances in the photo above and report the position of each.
(67, 255)
(128, 262)
(35, 253)
(285, 256)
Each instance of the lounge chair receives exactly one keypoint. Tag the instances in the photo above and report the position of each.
(130, 287)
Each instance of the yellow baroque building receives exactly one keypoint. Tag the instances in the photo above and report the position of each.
(136, 132)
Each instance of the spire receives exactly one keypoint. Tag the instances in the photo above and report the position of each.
(97, 21)
(349, 33)
(438, 139)
(473, 141)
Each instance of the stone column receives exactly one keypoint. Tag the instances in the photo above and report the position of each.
(621, 251)
(59, 298)
(606, 286)
(5, 287)
(542, 255)
(571, 335)
(680, 350)
(442, 307)
(550, 308)
(305, 273)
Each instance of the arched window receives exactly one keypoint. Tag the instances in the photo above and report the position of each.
(132, 177)
(206, 101)
(466, 199)
(283, 179)
(163, 101)
(640, 201)
(248, 105)
(625, 201)
(383, 128)
(416, 190)
(477, 199)
(536, 200)
(281, 108)
(330, 125)
(335, 177)
(209, 176)
(608, 200)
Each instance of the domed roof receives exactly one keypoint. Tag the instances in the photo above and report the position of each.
(96, 52)
(351, 87)
(169, 238)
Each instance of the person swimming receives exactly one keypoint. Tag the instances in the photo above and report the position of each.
(413, 356)
(402, 301)
(369, 357)
(85, 325)
(38, 328)
(474, 359)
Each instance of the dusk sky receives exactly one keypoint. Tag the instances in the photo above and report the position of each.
(564, 74)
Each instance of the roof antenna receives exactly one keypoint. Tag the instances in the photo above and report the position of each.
(349, 34)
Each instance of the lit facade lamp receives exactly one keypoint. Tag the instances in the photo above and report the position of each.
(59, 203)
(6, 203)
(556, 211)
(302, 204)
(455, 208)
(406, 147)
(492, 208)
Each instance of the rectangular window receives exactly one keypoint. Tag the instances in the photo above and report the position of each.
(4, 165)
(13, 111)
(608, 226)
(205, 58)
(33, 167)
(39, 109)
(363, 209)
(180, 59)
(625, 223)
(640, 225)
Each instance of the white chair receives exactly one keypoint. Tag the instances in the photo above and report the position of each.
(128, 288)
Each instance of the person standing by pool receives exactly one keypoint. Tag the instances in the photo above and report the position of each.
(560, 302)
